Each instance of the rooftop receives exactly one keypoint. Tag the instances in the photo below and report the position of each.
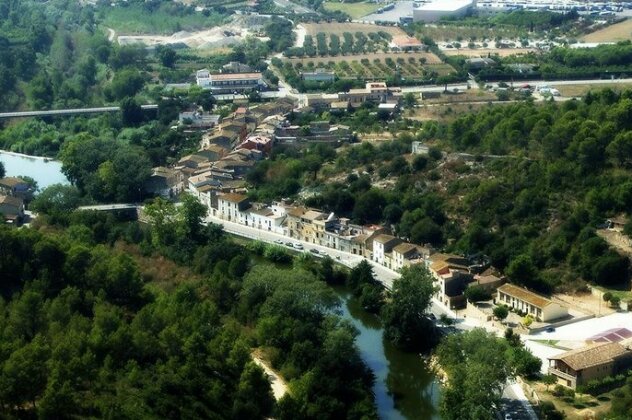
(11, 181)
(405, 248)
(406, 41)
(613, 335)
(233, 197)
(525, 295)
(593, 355)
(384, 239)
(445, 5)
(11, 201)
(236, 76)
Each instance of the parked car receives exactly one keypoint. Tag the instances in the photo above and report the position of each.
(278, 242)
(290, 244)
(314, 251)
(550, 329)
(298, 246)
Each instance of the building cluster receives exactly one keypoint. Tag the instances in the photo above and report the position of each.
(13, 193)
(231, 146)
(229, 82)
(374, 92)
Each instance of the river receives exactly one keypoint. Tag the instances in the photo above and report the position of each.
(45, 171)
(404, 387)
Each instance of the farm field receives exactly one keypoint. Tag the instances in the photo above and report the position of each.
(480, 52)
(420, 66)
(355, 10)
(428, 56)
(340, 28)
(581, 90)
(618, 32)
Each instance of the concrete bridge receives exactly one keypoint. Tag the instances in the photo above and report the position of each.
(110, 207)
(70, 111)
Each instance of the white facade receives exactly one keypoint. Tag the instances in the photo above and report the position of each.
(432, 12)
(267, 218)
(203, 78)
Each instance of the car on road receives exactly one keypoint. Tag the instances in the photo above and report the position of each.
(278, 242)
(290, 244)
(314, 251)
(298, 246)
(550, 329)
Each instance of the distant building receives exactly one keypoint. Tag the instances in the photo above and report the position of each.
(198, 120)
(406, 43)
(11, 209)
(15, 187)
(382, 245)
(541, 308)
(419, 148)
(229, 82)
(578, 367)
(320, 75)
(258, 142)
(165, 182)
(229, 206)
(236, 67)
(373, 92)
(437, 9)
(478, 63)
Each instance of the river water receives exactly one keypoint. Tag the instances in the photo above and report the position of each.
(45, 171)
(404, 387)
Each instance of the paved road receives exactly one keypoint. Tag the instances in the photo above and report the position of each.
(70, 111)
(514, 402)
(108, 207)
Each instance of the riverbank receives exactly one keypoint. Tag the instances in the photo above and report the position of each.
(22, 155)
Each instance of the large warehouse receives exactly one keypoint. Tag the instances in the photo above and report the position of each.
(435, 10)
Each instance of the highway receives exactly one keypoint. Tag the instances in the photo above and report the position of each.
(69, 111)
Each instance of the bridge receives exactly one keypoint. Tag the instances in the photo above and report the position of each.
(110, 207)
(70, 111)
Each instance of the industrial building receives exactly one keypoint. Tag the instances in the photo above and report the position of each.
(435, 10)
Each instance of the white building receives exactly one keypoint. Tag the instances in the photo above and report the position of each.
(231, 207)
(229, 82)
(433, 11)
(269, 218)
(382, 245)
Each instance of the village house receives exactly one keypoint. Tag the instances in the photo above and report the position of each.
(230, 206)
(301, 226)
(489, 280)
(192, 161)
(11, 209)
(258, 142)
(198, 120)
(541, 308)
(269, 218)
(373, 92)
(406, 43)
(15, 187)
(165, 182)
(212, 152)
(578, 367)
(382, 246)
(406, 254)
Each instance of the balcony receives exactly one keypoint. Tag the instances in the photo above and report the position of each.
(562, 374)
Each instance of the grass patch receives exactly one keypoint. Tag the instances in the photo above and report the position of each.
(618, 32)
(167, 19)
(355, 10)
(551, 343)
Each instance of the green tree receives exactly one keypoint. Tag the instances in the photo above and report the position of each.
(475, 382)
(167, 55)
(405, 322)
(476, 294)
(131, 112)
(501, 312)
(253, 399)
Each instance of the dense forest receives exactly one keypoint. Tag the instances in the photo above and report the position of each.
(533, 212)
(91, 328)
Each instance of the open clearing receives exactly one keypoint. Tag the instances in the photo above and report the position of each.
(340, 28)
(581, 90)
(479, 52)
(430, 58)
(618, 32)
(355, 10)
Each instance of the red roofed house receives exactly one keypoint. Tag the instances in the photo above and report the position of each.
(406, 43)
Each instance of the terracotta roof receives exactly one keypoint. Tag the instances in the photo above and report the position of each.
(406, 41)
(405, 248)
(236, 76)
(233, 197)
(12, 201)
(384, 239)
(11, 181)
(525, 295)
(593, 355)
(490, 279)
(296, 211)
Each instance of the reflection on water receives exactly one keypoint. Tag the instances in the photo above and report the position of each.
(45, 171)
(404, 387)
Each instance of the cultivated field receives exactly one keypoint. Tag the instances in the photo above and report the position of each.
(484, 52)
(340, 28)
(581, 90)
(430, 58)
(355, 10)
(618, 32)
(419, 66)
